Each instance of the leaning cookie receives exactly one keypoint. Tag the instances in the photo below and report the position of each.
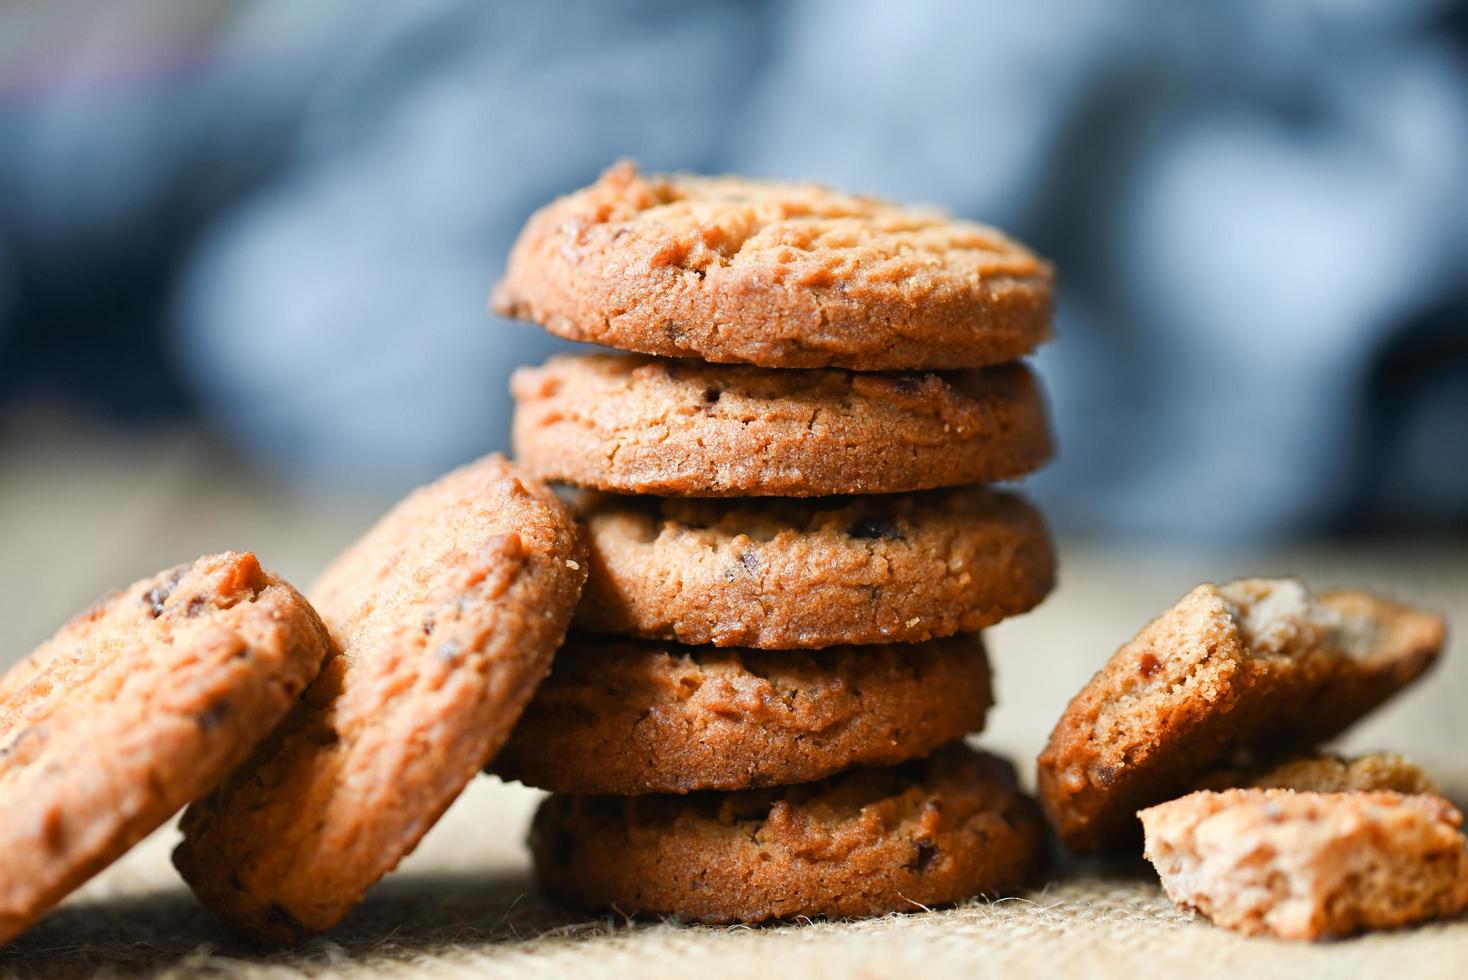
(650, 426)
(446, 614)
(864, 843)
(136, 707)
(1258, 665)
(1310, 865)
(629, 716)
(806, 574)
(781, 275)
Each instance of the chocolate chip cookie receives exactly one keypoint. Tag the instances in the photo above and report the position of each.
(446, 615)
(863, 843)
(782, 275)
(645, 425)
(1258, 665)
(805, 574)
(136, 707)
(631, 716)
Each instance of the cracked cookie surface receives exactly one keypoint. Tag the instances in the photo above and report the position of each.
(631, 716)
(136, 707)
(784, 275)
(806, 574)
(634, 424)
(864, 843)
(1258, 665)
(445, 616)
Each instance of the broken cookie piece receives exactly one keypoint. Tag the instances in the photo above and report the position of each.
(1259, 666)
(1329, 774)
(1310, 865)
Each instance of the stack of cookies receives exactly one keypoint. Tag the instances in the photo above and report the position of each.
(792, 546)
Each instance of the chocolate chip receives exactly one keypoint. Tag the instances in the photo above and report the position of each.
(157, 596)
(909, 384)
(875, 527)
(926, 852)
(210, 717)
(196, 606)
(428, 624)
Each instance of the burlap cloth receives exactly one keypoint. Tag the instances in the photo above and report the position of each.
(464, 903)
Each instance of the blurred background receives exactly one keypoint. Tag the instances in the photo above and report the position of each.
(276, 224)
(246, 248)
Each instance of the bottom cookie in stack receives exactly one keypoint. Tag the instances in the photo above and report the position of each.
(753, 785)
(865, 842)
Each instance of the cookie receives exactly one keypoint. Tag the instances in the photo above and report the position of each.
(643, 425)
(446, 615)
(133, 709)
(1310, 865)
(864, 843)
(804, 574)
(632, 716)
(1258, 665)
(782, 275)
(1330, 774)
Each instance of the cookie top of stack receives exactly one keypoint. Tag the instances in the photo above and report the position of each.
(735, 270)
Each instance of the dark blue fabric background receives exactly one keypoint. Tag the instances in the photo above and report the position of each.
(285, 218)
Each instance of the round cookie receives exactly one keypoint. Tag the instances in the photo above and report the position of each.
(1258, 666)
(731, 270)
(644, 425)
(632, 716)
(863, 843)
(446, 615)
(134, 708)
(788, 574)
